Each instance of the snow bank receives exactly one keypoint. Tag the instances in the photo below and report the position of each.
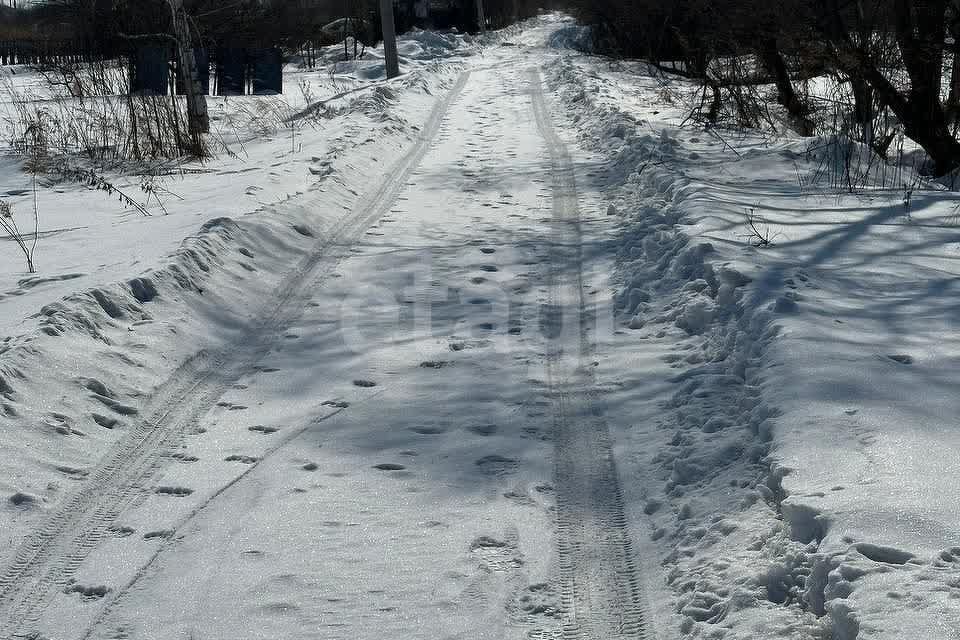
(729, 558)
(74, 375)
(415, 48)
(801, 472)
(431, 45)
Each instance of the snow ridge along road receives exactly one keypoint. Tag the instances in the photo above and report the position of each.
(48, 557)
(601, 587)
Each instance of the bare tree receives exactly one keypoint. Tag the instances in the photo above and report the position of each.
(918, 29)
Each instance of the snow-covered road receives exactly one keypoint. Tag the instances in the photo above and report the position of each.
(493, 358)
(409, 442)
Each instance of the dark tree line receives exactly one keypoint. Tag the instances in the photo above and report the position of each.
(894, 54)
(244, 20)
(287, 23)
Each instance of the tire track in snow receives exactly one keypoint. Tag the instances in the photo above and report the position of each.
(601, 590)
(48, 557)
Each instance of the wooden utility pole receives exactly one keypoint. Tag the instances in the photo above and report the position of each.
(389, 38)
(481, 17)
(197, 118)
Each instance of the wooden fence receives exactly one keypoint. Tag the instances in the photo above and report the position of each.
(46, 52)
(239, 70)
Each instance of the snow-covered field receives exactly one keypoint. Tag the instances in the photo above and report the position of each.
(483, 352)
(268, 150)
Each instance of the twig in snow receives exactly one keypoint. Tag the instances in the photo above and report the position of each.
(90, 178)
(800, 182)
(149, 186)
(9, 224)
(760, 235)
(908, 190)
(720, 138)
(647, 164)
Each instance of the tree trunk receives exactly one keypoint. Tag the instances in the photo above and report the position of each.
(389, 39)
(715, 104)
(863, 108)
(953, 100)
(919, 30)
(786, 94)
(197, 118)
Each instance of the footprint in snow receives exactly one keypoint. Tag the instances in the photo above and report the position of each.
(61, 423)
(487, 542)
(113, 405)
(22, 499)
(266, 369)
(177, 492)
(72, 472)
(541, 600)
(104, 421)
(94, 385)
(483, 429)
(87, 593)
(241, 459)
(496, 464)
(163, 534)
(259, 428)
(519, 495)
(428, 431)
